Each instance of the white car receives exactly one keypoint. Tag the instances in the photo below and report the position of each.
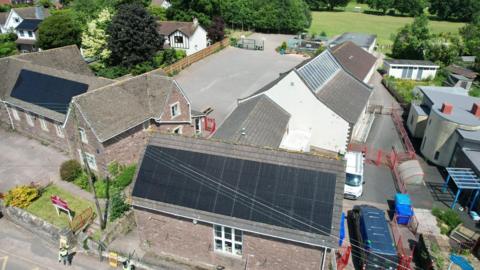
(354, 175)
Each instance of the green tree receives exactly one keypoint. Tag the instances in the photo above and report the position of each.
(383, 5)
(411, 40)
(331, 4)
(94, 38)
(7, 44)
(58, 30)
(460, 9)
(133, 37)
(411, 7)
(158, 13)
(471, 37)
(118, 206)
(443, 48)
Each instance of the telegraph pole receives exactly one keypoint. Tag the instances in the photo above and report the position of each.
(87, 167)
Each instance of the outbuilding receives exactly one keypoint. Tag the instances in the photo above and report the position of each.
(410, 69)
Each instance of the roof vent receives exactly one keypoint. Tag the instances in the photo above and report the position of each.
(447, 108)
(476, 109)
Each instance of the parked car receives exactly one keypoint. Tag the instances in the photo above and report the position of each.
(373, 234)
(354, 175)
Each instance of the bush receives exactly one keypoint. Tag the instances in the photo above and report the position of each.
(125, 177)
(101, 188)
(82, 181)
(21, 196)
(118, 206)
(448, 219)
(70, 170)
(109, 72)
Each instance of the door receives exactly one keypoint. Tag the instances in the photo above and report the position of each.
(419, 73)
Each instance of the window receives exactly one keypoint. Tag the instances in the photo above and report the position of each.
(83, 135)
(227, 240)
(437, 154)
(177, 130)
(29, 119)
(21, 33)
(16, 19)
(15, 114)
(178, 39)
(59, 130)
(43, 124)
(198, 125)
(30, 34)
(92, 163)
(175, 109)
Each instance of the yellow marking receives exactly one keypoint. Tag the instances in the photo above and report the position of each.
(4, 264)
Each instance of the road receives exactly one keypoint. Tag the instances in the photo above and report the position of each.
(21, 250)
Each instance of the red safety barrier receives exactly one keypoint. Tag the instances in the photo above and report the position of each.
(405, 256)
(343, 255)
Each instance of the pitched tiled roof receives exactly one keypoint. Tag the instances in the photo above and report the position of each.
(346, 96)
(32, 12)
(354, 59)
(66, 58)
(118, 107)
(361, 39)
(258, 121)
(168, 27)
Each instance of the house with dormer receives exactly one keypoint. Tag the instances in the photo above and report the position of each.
(188, 36)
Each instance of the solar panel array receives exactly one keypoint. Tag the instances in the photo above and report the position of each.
(316, 72)
(46, 91)
(29, 24)
(271, 194)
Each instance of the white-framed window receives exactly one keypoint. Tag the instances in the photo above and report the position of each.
(178, 130)
(81, 156)
(198, 125)
(59, 130)
(175, 109)
(30, 34)
(29, 118)
(16, 19)
(83, 135)
(227, 240)
(21, 33)
(178, 39)
(92, 163)
(15, 114)
(43, 124)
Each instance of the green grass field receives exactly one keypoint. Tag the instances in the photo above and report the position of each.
(335, 23)
(43, 208)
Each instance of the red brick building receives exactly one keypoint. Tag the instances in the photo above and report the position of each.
(209, 204)
(54, 97)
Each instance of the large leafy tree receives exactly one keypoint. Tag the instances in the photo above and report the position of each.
(443, 48)
(94, 38)
(133, 37)
(216, 32)
(410, 42)
(451, 9)
(7, 44)
(471, 37)
(411, 7)
(59, 30)
(331, 4)
(383, 5)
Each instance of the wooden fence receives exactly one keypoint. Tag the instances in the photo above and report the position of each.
(187, 61)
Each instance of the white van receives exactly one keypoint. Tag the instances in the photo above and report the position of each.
(354, 175)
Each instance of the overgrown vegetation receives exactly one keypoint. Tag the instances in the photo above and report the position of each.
(59, 30)
(7, 44)
(447, 219)
(118, 206)
(437, 255)
(70, 170)
(404, 88)
(21, 196)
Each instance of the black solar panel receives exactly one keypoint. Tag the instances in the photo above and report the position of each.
(29, 24)
(272, 194)
(46, 91)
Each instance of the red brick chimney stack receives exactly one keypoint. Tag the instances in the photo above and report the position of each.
(447, 108)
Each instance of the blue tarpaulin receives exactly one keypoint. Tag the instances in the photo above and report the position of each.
(460, 261)
(342, 230)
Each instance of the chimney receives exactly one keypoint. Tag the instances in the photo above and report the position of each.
(447, 108)
(195, 21)
(476, 109)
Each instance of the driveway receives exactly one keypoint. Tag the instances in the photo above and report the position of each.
(220, 79)
(23, 160)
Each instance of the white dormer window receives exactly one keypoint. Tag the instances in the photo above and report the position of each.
(83, 135)
(21, 33)
(178, 39)
(30, 33)
(175, 109)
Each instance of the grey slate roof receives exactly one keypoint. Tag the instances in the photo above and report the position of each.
(462, 105)
(66, 58)
(410, 62)
(269, 156)
(257, 121)
(32, 12)
(360, 39)
(316, 72)
(122, 105)
(346, 96)
(354, 59)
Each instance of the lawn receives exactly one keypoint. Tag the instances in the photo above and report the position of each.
(337, 22)
(43, 208)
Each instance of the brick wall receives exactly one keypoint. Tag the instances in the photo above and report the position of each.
(185, 241)
(48, 135)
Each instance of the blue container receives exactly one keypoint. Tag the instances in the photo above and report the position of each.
(403, 208)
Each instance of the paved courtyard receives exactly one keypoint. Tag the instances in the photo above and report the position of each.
(23, 160)
(220, 79)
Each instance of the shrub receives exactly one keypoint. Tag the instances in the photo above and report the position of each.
(82, 181)
(448, 219)
(118, 206)
(101, 188)
(21, 196)
(70, 170)
(125, 177)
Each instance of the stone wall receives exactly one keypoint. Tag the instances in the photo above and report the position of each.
(119, 227)
(185, 241)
